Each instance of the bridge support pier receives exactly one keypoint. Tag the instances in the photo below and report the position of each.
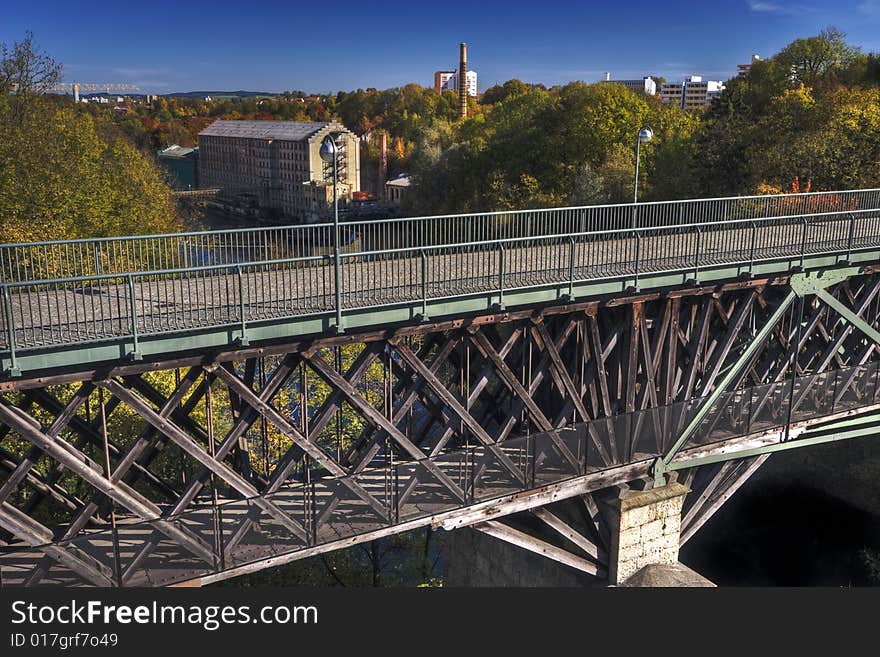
(645, 529)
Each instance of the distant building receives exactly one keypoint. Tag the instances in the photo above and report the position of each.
(645, 85)
(471, 86)
(444, 80)
(692, 94)
(742, 70)
(180, 163)
(278, 164)
(441, 80)
(396, 188)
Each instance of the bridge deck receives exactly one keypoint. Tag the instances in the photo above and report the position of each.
(210, 306)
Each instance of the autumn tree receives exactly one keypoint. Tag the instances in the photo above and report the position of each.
(65, 173)
(808, 113)
(26, 70)
(816, 59)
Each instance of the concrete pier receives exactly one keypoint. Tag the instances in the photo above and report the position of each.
(645, 530)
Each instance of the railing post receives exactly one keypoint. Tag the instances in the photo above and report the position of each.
(697, 257)
(532, 456)
(337, 279)
(805, 221)
(14, 369)
(220, 541)
(96, 256)
(396, 492)
(638, 258)
(471, 469)
(501, 265)
(834, 394)
(313, 508)
(136, 354)
(852, 232)
(752, 252)
(424, 259)
(571, 249)
(243, 339)
(751, 410)
(876, 379)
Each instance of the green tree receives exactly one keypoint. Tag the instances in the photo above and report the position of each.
(26, 70)
(66, 174)
(817, 59)
(501, 92)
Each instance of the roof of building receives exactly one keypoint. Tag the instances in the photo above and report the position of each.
(285, 130)
(402, 180)
(176, 151)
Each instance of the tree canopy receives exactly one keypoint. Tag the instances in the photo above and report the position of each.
(65, 173)
(809, 113)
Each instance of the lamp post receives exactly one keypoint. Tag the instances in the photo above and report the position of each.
(329, 153)
(645, 135)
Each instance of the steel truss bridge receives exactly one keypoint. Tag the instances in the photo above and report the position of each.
(186, 408)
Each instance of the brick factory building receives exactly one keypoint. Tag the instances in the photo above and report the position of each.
(277, 163)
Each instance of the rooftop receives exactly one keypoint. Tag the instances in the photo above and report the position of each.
(286, 130)
(176, 151)
(402, 180)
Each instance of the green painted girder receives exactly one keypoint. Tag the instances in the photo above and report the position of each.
(859, 427)
(846, 423)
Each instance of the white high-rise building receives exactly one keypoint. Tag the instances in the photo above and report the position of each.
(449, 80)
(644, 85)
(692, 94)
(742, 70)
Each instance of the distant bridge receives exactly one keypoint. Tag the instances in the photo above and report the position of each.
(467, 368)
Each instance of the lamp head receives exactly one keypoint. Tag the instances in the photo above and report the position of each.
(328, 149)
(645, 135)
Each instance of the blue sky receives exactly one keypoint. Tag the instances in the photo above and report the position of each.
(272, 46)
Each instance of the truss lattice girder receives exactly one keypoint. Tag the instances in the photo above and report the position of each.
(483, 383)
(815, 284)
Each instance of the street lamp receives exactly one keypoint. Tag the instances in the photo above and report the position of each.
(645, 135)
(329, 153)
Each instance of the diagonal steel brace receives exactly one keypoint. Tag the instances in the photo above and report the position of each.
(801, 284)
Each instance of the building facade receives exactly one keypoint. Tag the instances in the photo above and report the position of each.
(397, 188)
(278, 164)
(644, 85)
(180, 163)
(692, 94)
(742, 70)
(444, 80)
(441, 80)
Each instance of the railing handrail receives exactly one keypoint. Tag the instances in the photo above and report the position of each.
(628, 204)
(414, 249)
(398, 220)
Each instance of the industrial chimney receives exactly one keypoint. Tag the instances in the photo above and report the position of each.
(462, 82)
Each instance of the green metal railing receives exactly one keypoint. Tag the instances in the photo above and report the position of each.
(136, 254)
(60, 293)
